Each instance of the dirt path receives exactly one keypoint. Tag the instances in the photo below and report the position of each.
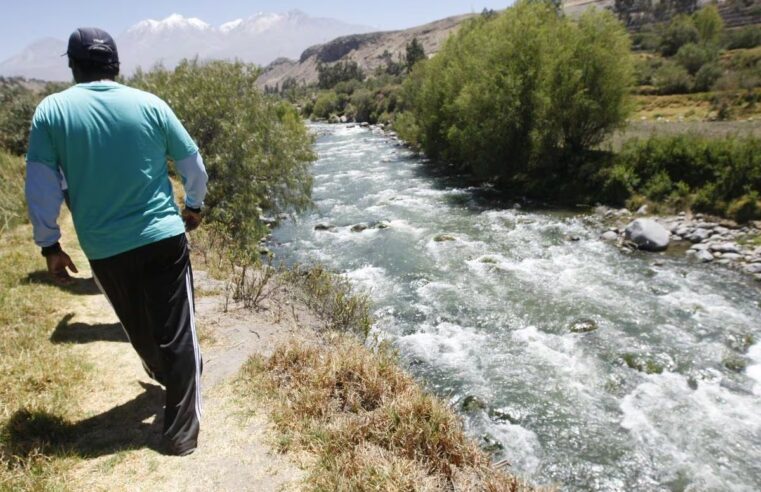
(120, 434)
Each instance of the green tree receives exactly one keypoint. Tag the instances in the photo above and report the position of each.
(709, 24)
(680, 31)
(415, 53)
(520, 97)
(257, 149)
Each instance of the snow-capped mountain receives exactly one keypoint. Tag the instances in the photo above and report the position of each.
(260, 39)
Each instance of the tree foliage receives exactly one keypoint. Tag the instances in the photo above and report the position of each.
(328, 75)
(17, 105)
(521, 95)
(257, 149)
(415, 53)
(709, 24)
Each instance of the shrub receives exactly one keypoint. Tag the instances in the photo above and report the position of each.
(363, 104)
(12, 203)
(710, 173)
(522, 94)
(693, 56)
(256, 149)
(325, 105)
(680, 31)
(646, 68)
(745, 208)
(745, 37)
(707, 76)
(672, 78)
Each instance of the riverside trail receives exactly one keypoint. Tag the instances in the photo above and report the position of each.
(120, 425)
(581, 365)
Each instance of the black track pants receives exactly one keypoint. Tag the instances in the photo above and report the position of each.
(151, 290)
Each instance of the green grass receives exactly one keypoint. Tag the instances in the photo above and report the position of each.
(39, 380)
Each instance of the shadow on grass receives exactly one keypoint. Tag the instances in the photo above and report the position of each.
(80, 286)
(66, 332)
(33, 433)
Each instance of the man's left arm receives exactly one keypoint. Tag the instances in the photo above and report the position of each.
(194, 180)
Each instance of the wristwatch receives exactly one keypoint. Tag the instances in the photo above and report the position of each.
(51, 250)
(194, 210)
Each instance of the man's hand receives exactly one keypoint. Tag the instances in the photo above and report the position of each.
(192, 219)
(57, 265)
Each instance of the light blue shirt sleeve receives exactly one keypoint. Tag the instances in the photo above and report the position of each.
(44, 197)
(194, 179)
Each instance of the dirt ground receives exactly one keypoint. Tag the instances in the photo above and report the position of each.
(119, 435)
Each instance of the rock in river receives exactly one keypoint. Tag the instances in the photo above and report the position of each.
(583, 326)
(648, 235)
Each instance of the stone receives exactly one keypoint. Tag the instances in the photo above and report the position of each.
(725, 248)
(441, 238)
(706, 225)
(700, 247)
(609, 236)
(583, 326)
(472, 404)
(322, 227)
(643, 210)
(648, 235)
(704, 256)
(699, 235)
(753, 268)
(359, 228)
(731, 256)
(682, 231)
(490, 444)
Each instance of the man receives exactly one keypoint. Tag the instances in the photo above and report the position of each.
(111, 144)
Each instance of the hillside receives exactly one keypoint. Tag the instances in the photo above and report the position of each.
(366, 49)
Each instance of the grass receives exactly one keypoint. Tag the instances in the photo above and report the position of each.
(39, 380)
(700, 106)
(12, 203)
(332, 298)
(369, 424)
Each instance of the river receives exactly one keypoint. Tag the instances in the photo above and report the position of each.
(480, 299)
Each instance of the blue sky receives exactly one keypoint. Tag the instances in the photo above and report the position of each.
(24, 21)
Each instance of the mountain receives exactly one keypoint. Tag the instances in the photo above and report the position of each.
(257, 39)
(369, 50)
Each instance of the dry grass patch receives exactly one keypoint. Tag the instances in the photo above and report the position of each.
(369, 424)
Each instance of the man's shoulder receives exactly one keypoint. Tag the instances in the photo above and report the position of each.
(144, 97)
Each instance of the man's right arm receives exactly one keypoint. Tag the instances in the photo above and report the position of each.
(44, 197)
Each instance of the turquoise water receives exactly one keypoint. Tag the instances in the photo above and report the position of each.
(480, 298)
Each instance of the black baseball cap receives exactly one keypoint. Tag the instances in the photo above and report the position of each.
(94, 45)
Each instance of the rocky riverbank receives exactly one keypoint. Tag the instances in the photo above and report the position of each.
(707, 239)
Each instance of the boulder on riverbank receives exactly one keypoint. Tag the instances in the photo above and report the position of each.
(648, 235)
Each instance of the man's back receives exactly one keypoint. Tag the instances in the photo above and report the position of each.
(112, 142)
